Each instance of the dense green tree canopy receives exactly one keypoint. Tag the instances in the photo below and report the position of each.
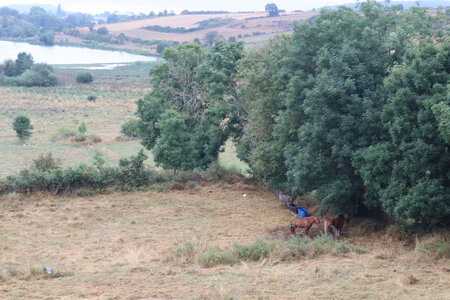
(317, 98)
(199, 84)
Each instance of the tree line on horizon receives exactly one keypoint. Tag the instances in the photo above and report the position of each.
(352, 107)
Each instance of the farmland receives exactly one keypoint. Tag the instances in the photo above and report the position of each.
(241, 26)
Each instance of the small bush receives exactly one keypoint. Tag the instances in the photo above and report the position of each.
(92, 98)
(84, 77)
(46, 163)
(62, 133)
(130, 128)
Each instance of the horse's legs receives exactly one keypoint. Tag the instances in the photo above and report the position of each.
(307, 228)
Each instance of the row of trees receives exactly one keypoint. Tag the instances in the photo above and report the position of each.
(353, 106)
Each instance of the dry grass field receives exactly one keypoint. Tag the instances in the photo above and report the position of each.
(242, 26)
(66, 106)
(117, 247)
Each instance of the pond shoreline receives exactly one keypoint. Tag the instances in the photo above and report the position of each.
(72, 54)
(33, 41)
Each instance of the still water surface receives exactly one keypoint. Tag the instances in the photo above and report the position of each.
(67, 55)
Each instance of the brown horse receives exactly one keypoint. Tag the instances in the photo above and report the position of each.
(304, 223)
(336, 222)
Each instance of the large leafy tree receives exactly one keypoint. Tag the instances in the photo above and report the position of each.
(174, 147)
(409, 172)
(200, 85)
(327, 100)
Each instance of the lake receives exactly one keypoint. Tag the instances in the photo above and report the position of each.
(59, 55)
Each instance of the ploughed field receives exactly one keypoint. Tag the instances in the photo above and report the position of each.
(130, 246)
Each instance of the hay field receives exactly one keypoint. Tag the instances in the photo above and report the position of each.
(116, 247)
(66, 106)
(242, 24)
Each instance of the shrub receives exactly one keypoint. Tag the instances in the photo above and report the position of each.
(84, 77)
(132, 173)
(130, 128)
(46, 163)
(91, 98)
(38, 75)
(82, 128)
(22, 127)
(62, 133)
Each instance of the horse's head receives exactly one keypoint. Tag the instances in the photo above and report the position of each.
(293, 226)
(344, 217)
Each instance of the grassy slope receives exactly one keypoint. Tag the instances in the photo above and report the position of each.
(67, 106)
(115, 247)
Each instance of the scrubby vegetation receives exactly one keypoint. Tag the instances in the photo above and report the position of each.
(84, 77)
(276, 250)
(23, 72)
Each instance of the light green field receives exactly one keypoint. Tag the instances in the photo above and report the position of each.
(66, 105)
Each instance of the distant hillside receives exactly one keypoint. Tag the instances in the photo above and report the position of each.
(25, 8)
(406, 4)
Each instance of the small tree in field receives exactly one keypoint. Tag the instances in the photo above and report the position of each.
(174, 149)
(22, 126)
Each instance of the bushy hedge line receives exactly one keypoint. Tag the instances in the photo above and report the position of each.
(47, 176)
(128, 175)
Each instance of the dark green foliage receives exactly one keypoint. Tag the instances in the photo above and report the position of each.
(161, 46)
(38, 75)
(174, 148)
(317, 110)
(23, 63)
(22, 127)
(91, 98)
(84, 77)
(46, 175)
(130, 128)
(132, 173)
(272, 9)
(200, 85)
(210, 37)
(409, 171)
(47, 37)
(9, 68)
(23, 72)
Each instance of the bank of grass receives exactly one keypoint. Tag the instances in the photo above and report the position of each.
(276, 250)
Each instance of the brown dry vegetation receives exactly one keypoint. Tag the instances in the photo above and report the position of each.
(116, 247)
(243, 24)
